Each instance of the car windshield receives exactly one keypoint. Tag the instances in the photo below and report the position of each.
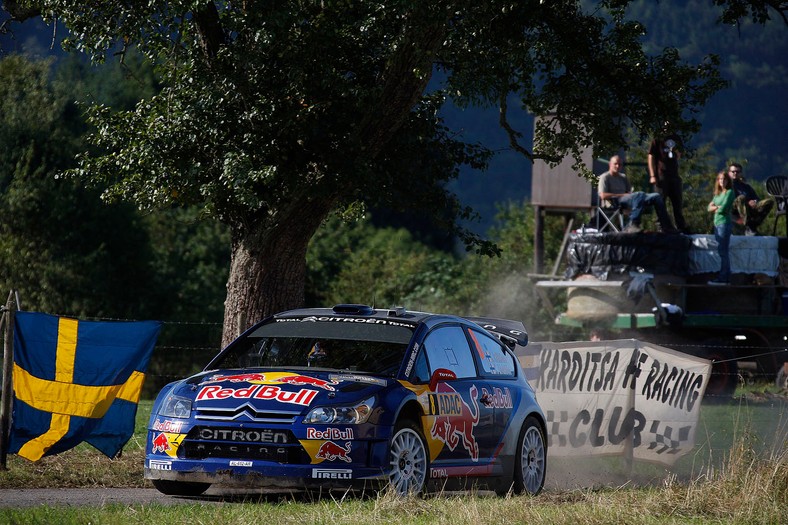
(369, 349)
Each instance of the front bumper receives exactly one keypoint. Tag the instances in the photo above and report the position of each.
(285, 477)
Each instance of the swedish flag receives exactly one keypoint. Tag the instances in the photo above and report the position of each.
(76, 381)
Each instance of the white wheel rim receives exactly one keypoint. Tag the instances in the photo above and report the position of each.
(532, 458)
(408, 462)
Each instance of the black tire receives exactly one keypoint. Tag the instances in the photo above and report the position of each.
(410, 461)
(782, 379)
(180, 488)
(530, 468)
(724, 371)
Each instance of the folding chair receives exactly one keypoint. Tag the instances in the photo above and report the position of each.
(607, 218)
(777, 187)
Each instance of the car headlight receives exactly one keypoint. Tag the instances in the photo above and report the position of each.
(341, 415)
(177, 407)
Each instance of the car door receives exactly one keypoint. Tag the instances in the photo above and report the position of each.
(458, 426)
(498, 368)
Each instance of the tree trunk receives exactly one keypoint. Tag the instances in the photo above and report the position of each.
(268, 262)
(268, 266)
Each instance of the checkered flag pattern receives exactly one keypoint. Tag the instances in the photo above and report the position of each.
(554, 424)
(664, 442)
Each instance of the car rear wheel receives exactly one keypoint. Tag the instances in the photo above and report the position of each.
(724, 376)
(782, 379)
(531, 461)
(409, 461)
(180, 488)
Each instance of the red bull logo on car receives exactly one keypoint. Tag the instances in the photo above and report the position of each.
(306, 380)
(166, 443)
(161, 443)
(274, 378)
(330, 451)
(303, 397)
(239, 378)
(454, 419)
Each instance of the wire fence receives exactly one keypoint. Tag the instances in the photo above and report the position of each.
(183, 348)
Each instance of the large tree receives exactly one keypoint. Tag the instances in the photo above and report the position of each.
(275, 114)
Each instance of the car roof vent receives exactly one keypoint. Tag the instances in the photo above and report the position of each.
(353, 309)
(397, 311)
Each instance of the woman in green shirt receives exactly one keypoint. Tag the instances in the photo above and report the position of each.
(721, 205)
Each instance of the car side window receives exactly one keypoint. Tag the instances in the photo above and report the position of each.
(421, 372)
(495, 359)
(447, 347)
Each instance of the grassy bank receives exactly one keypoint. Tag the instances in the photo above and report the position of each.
(748, 491)
(84, 466)
(756, 423)
(738, 473)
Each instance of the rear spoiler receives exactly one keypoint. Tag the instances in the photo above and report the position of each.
(508, 331)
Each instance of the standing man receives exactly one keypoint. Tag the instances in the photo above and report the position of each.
(663, 170)
(614, 187)
(751, 210)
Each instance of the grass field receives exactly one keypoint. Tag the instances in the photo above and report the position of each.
(738, 473)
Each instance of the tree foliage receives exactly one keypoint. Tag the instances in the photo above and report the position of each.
(358, 262)
(273, 115)
(59, 244)
(383, 266)
(65, 250)
(68, 253)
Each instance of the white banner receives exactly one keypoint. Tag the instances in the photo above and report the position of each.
(625, 398)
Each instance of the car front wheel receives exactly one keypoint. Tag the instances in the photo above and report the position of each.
(409, 461)
(531, 461)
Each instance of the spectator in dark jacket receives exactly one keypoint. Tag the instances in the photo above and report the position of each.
(748, 208)
(663, 169)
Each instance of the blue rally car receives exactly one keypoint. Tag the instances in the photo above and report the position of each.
(354, 397)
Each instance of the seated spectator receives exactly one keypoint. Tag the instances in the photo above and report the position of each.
(747, 208)
(614, 189)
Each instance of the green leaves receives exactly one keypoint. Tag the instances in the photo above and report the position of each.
(64, 250)
(274, 114)
(760, 11)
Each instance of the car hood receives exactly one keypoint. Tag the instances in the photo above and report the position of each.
(278, 389)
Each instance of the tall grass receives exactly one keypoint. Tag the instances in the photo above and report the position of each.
(745, 488)
(744, 492)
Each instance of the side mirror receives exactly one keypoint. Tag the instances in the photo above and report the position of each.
(440, 375)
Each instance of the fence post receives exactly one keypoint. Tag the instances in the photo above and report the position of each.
(629, 444)
(8, 367)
